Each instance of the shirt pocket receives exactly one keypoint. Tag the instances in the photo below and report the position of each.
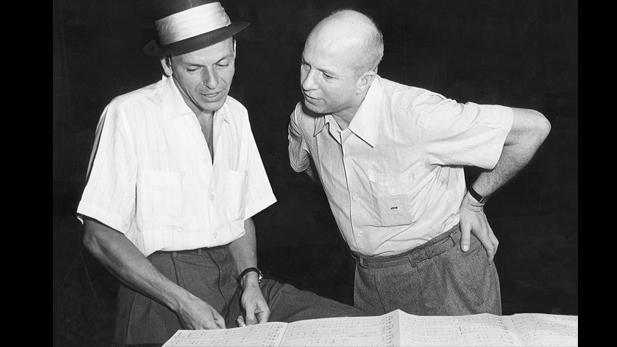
(160, 198)
(392, 197)
(236, 195)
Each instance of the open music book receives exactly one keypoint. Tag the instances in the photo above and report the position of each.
(396, 328)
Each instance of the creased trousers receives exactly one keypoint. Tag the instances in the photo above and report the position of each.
(210, 274)
(435, 278)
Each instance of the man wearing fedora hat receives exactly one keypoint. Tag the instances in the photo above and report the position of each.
(173, 181)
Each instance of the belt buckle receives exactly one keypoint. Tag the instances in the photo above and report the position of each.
(417, 256)
(362, 261)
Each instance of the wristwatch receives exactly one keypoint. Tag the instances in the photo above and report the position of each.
(479, 198)
(247, 270)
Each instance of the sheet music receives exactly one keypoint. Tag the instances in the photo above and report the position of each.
(473, 330)
(267, 334)
(396, 328)
(351, 331)
(546, 330)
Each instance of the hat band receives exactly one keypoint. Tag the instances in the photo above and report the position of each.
(192, 22)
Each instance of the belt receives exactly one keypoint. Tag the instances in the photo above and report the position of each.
(196, 251)
(435, 246)
(187, 251)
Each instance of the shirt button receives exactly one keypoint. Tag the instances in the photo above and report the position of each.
(216, 235)
(355, 197)
(212, 197)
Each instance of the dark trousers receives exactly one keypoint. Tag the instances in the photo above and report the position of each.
(210, 274)
(434, 279)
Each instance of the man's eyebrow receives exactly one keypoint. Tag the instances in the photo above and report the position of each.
(190, 63)
(228, 56)
(327, 72)
(195, 63)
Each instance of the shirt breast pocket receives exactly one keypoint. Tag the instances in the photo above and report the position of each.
(392, 197)
(236, 195)
(160, 199)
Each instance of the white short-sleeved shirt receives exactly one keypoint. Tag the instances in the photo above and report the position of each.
(151, 176)
(394, 178)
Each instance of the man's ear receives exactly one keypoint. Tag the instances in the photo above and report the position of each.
(364, 82)
(166, 64)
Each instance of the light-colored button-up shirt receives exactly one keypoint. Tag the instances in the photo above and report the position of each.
(394, 177)
(151, 176)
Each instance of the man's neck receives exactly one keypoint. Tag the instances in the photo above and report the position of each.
(344, 118)
(206, 121)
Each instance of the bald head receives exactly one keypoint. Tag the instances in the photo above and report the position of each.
(352, 34)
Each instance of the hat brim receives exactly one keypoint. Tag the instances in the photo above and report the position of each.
(194, 43)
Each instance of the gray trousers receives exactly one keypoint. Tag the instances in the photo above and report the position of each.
(434, 279)
(210, 274)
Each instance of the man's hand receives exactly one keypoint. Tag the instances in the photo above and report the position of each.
(473, 219)
(244, 252)
(255, 306)
(123, 259)
(197, 314)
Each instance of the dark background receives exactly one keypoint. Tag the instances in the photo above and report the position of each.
(516, 53)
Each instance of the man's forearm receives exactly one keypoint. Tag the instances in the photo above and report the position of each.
(510, 163)
(529, 131)
(244, 251)
(126, 262)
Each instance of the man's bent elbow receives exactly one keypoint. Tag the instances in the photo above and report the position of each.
(529, 129)
(90, 239)
(533, 128)
(542, 126)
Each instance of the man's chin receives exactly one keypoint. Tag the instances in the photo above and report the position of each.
(213, 106)
(310, 109)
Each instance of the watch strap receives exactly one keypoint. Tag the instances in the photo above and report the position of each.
(247, 270)
(479, 198)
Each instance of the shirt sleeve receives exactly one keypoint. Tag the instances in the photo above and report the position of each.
(465, 134)
(298, 149)
(109, 193)
(259, 191)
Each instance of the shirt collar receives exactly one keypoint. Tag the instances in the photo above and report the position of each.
(174, 105)
(364, 122)
(320, 123)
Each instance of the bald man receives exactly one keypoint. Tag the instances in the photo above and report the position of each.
(390, 158)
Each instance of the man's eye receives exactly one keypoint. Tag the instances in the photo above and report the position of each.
(328, 77)
(223, 63)
(192, 69)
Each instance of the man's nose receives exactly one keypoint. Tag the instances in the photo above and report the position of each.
(210, 78)
(308, 80)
